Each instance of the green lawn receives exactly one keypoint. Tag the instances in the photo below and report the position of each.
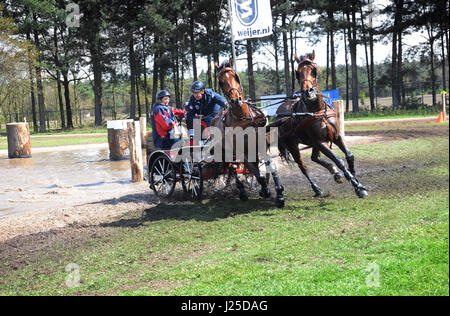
(81, 130)
(60, 141)
(392, 114)
(396, 242)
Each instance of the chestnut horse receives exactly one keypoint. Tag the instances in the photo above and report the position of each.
(315, 131)
(240, 114)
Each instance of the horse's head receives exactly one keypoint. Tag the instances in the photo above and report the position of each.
(230, 82)
(307, 74)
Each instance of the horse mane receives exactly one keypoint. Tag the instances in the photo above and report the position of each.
(225, 64)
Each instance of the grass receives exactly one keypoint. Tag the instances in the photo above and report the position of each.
(312, 247)
(392, 114)
(79, 130)
(60, 141)
(392, 126)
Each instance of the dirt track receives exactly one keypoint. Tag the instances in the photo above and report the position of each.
(22, 236)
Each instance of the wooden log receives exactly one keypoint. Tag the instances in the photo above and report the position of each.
(150, 145)
(136, 161)
(143, 125)
(19, 142)
(340, 112)
(118, 144)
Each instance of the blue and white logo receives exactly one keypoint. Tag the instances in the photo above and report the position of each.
(247, 11)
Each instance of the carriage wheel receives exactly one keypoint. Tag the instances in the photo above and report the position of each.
(163, 177)
(192, 180)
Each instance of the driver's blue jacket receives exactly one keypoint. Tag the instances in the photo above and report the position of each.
(209, 106)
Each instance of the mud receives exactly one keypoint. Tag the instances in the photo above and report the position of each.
(24, 237)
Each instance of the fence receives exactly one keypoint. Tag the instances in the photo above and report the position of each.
(80, 117)
(413, 95)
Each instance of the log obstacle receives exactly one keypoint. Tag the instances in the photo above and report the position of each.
(150, 145)
(135, 143)
(143, 129)
(19, 142)
(118, 140)
(340, 112)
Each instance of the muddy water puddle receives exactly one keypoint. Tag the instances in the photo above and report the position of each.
(63, 179)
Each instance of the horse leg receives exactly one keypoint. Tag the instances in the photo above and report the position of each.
(279, 199)
(243, 195)
(295, 152)
(338, 176)
(360, 190)
(254, 169)
(348, 155)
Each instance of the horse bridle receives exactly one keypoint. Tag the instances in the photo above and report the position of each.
(308, 62)
(225, 70)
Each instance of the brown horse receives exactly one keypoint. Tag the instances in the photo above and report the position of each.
(315, 131)
(240, 114)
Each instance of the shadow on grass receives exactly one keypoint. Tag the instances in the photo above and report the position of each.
(206, 211)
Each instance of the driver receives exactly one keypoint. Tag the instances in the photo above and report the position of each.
(164, 120)
(204, 103)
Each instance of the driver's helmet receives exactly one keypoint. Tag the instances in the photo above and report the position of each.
(197, 87)
(161, 94)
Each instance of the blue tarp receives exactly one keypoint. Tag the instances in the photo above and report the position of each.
(271, 110)
(333, 96)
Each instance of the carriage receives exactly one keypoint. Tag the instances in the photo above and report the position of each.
(190, 165)
(167, 168)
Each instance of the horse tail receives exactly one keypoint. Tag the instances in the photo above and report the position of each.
(284, 153)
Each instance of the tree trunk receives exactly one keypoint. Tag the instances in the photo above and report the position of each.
(145, 79)
(444, 72)
(347, 90)
(192, 38)
(95, 52)
(40, 88)
(286, 57)
(132, 62)
(155, 76)
(67, 99)
(277, 64)
(433, 72)
(395, 101)
(333, 62)
(58, 81)
(372, 67)
(353, 53)
(328, 62)
(292, 55)
(33, 99)
(401, 92)
(448, 56)
(332, 51)
(209, 60)
(60, 100)
(369, 81)
(251, 76)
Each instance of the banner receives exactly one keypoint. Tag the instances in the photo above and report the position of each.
(251, 18)
(271, 110)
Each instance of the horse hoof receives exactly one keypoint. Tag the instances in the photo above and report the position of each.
(319, 195)
(265, 194)
(243, 196)
(280, 202)
(339, 178)
(362, 194)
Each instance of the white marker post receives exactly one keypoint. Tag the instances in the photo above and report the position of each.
(233, 44)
